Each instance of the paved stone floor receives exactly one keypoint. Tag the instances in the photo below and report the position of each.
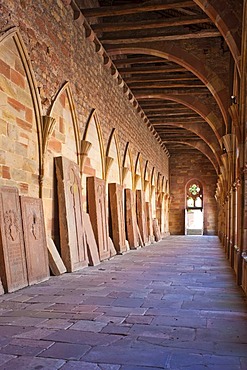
(171, 305)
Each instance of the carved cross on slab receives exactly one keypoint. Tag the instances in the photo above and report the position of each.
(71, 225)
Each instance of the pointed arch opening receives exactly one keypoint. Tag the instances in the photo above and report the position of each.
(60, 138)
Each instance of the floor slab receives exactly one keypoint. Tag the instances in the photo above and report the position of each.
(170, 305)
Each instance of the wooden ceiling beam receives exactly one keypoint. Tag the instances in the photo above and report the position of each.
(160, 85)
(143, 25)
(161, 108)
(116, 40)
(152, 78)
(150, 103)
(141, 60)
(116, 10)
(149, 69)
(188, 91)
(175, 114)
(171, 122)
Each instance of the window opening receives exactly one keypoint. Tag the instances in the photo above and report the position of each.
(194, 209)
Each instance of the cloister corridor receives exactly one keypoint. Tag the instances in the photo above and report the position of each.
(170, 305)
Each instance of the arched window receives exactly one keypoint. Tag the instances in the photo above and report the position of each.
(194, 195)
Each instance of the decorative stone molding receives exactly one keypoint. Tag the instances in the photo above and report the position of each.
(125, 171)
(136, 179)
(48, 127)
(108, 163)
(85, 147)
(146, 183)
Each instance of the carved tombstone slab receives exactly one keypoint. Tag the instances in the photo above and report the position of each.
(34, 239)
(156, 228)
(55, 261)
(12, 253)
(93, 254)
(72, 233)
(149, 222)
(130, 217)
(117, 217)
(96, 200)
(141, 215)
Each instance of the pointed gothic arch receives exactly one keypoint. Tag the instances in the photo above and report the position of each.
(22, 114)
(60, 138)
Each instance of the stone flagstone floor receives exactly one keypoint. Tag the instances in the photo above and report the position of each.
(171, 305)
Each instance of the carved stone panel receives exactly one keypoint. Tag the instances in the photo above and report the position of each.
(12, 253)
(141, 215)
(117, 217)
(131, 221)
(72, 232)
(96, 200)
(35, 239)
(149, 222)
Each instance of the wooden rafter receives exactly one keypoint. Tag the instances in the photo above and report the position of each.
(109, 11)
(144, 25)
(140, 60)
(116, 40)
(149, 69)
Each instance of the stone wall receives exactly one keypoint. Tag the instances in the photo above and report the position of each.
(183, 168)
(55, 87)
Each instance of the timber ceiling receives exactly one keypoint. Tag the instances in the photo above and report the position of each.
(174, 59)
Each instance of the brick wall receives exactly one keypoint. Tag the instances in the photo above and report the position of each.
(184, 167)
(54, 50)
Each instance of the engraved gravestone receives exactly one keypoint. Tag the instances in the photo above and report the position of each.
(34, 239)
(131, 221)
(141, 215)
(96, 201)
(117, 217)
(72, 232)
(12, 253)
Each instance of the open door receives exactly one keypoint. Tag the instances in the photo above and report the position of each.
(193, 221)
